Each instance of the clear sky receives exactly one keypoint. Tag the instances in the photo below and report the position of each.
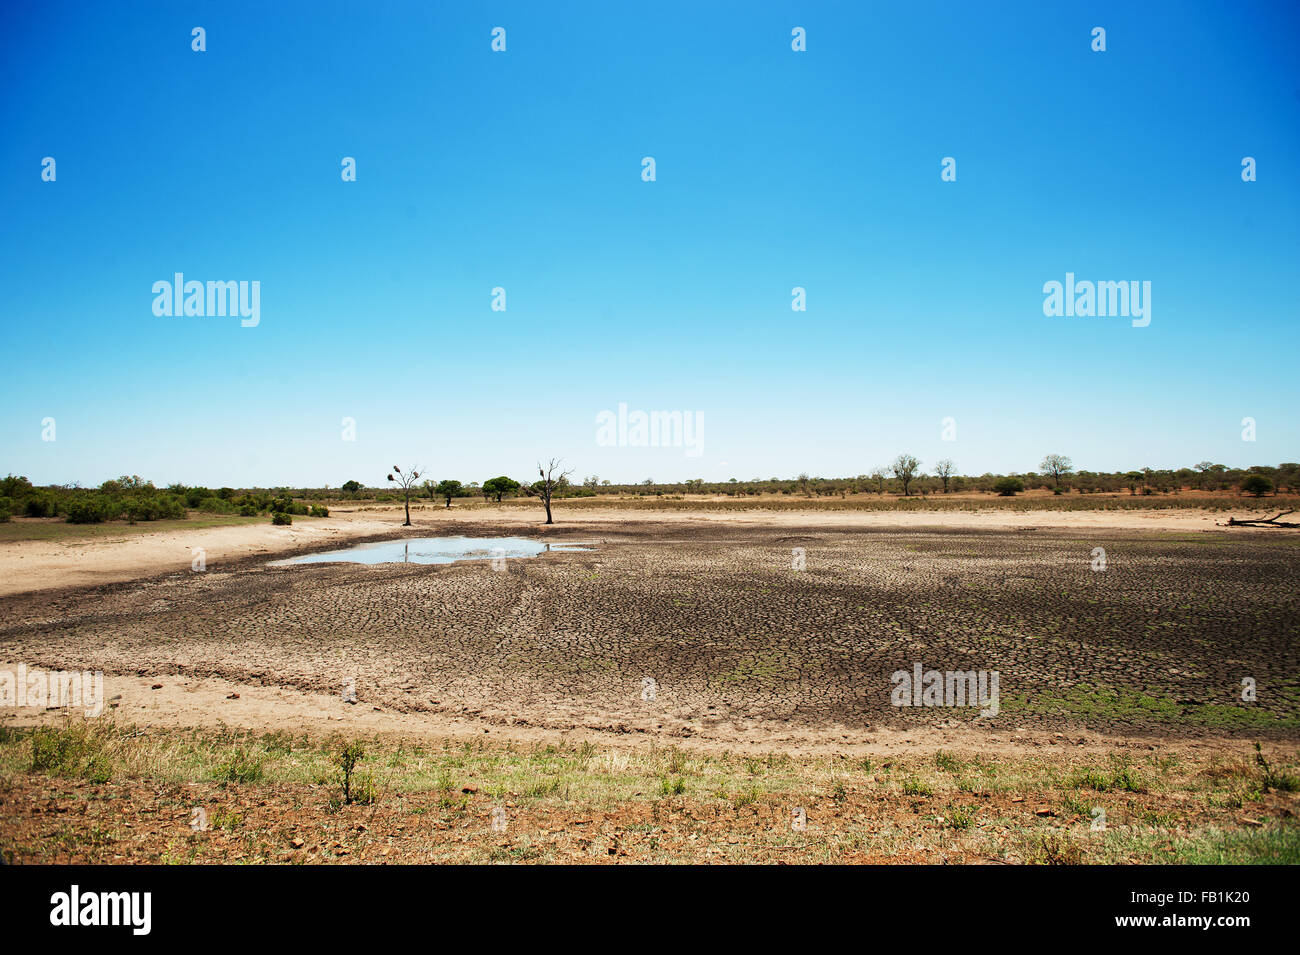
(523, 170)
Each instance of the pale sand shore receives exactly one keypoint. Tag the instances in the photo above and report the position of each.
(45, 565)
(169, 701)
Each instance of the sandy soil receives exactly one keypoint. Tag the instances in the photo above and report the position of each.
(44, 565)
(177, 702)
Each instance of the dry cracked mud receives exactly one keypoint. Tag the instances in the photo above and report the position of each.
(737, 642)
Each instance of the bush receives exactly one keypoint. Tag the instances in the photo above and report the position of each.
(85, 509)
(319, 510)
(40, 505)
(280, 517)
(155, 508)
(215, 505)
(75, 750)
(1008, 486)
(1257, 484)
(357, 788)
(12, 486)
(6, 509)
(247, 510)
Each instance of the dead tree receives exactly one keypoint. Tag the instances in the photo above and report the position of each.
(1263, 521)
(405, 482)
(549, 482)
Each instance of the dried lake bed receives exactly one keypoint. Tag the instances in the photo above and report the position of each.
(709, 632)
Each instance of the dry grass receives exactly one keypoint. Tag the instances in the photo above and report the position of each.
(119, 794)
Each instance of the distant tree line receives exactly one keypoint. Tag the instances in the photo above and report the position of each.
(905, 476)
(134, 499)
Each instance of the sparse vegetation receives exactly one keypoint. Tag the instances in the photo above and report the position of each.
(77, 749)
(405, 482)
(278, 798)
(243, 764)
(357, 788)
(1272, 779)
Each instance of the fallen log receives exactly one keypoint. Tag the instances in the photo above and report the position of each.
(1263, 521)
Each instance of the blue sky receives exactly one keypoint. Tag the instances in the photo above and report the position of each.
(522, 169)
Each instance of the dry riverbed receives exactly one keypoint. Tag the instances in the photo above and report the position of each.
(629, 702)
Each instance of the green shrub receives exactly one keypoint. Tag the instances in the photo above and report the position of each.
(39, 505)
(15, 487)
(85, 509)
(1257, 485)
(6, 509)
(1009, 486)
(152, 507)
(360, 789)
(138, 509)
(73, 750)
(280, 517)
(318, 510)
(247, 510)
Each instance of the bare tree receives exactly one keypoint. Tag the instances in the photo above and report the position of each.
(549, 482)
(405, 482)
(878, 475)
(944, 471)
(905, 467)
(1057, 465)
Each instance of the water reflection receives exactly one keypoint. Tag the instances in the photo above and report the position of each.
(434, 550)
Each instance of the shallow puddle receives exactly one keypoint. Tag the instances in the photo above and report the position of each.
(433, 550)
